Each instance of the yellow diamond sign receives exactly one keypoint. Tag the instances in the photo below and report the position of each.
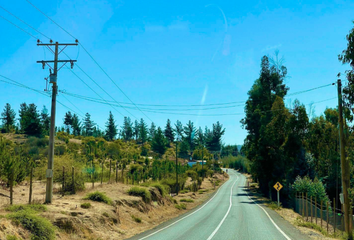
(278, 186)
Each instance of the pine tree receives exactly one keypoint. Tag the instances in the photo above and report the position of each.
(30, 120)
(190, 132)
(143, 131)
(158, 142)
(76, 125)
(136, 130)
(88, 125)
(8, 118)
(152, 130)
(45, 121)
(179, 130)
(200, 137)
(127, 129)
(111, 128)
(169, 131)
(68, 121)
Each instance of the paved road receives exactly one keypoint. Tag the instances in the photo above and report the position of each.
(229, 214)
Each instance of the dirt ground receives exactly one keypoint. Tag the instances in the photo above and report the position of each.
(101, 221)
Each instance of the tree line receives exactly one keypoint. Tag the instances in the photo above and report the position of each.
(285, 143)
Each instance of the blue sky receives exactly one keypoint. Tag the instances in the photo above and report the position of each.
(175, 52)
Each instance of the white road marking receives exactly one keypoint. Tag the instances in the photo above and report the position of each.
(227, 213)
(183, 217)
(276, 226)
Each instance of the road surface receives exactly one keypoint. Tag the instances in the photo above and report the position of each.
(229, 214)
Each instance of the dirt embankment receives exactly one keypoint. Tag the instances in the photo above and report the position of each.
(126, 217)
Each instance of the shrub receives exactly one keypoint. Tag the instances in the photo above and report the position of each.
(160, 187)
(141, 192)
(314, 188)
(173, 200)
(186, 200)
(98, 197)
(181, 206)
(105, 214)
(28, 208)
(184, 191)
(40, 227)
(86, 205)
(11, 237)
(136, 219)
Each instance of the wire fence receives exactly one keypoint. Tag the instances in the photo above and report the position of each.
(320, 213)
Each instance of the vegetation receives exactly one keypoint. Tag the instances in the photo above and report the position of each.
(98, 197)
(141, 192)
(136, 219)
(85, 205)
(181, 206)
(186, 200)
(33, 208)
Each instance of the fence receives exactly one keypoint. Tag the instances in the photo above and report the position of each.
(328, 217)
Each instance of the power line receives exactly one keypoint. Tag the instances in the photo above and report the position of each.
(24, 22)
(90, 57)
(18, 27)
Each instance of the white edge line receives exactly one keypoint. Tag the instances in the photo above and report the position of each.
(227, 213)
(184, 216)
(276, 226)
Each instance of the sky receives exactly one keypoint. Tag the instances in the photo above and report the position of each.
(173, 53)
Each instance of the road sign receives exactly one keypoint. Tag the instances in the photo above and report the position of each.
(278, 186)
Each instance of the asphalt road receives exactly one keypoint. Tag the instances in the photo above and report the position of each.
(229, 214)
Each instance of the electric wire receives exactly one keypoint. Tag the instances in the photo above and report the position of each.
(18, 27)
(89, 56)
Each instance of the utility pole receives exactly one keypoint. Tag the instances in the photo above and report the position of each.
(344, 164)
(53, 81)
(176, 167)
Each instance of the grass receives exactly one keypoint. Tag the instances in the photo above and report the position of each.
(141, 192)
(184, 191)
(173, 200)
(186, 200)
(34, 208)
(181, 206)
(274, 206)
(136, 219)
(161, 188)
(86, 205)
(98, 197)
(11, 237)
(105, 214)
(201, 191)
(300, 222)
(40, 228)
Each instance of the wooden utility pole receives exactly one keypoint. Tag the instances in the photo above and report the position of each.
(176, 168)
(344, 164)
(53, 81)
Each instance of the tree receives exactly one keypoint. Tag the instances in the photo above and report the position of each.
(45, 121)
(200, 137)
(111, 129)
(8, 118)
(152, 130)
(143, 131)
(169, 132)
(76, 125)
(213, 140)
(68, 121)
(88, 125)
(127, 129)
(29, 120)
(178, 130)
(190, 132)
(266, 89)
(136, 130)
(158, 142)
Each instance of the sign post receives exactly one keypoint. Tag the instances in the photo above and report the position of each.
(277, 187)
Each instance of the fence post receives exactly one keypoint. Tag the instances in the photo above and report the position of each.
(303, 205)
(307, 208)
(102, 173)
(311, 209)
(110, 169)
(321, 212)
(30, 190)
(316, 209)
(73, 180)
(327, 215)
(63, 181)
(116, 171)
(334, 216)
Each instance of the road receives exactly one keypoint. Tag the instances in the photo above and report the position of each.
(229, 214)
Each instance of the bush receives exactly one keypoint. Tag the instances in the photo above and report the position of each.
(28, 208)
(136, 219)
(141, 192)
(11, 237)
(161, 188)
(186, 200)
(313, 188)
(98, 197)
(86, 205)
(184, 191)
(181, 206)
(40, 227)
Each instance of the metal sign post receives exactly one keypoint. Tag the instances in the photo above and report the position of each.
(277, 187)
